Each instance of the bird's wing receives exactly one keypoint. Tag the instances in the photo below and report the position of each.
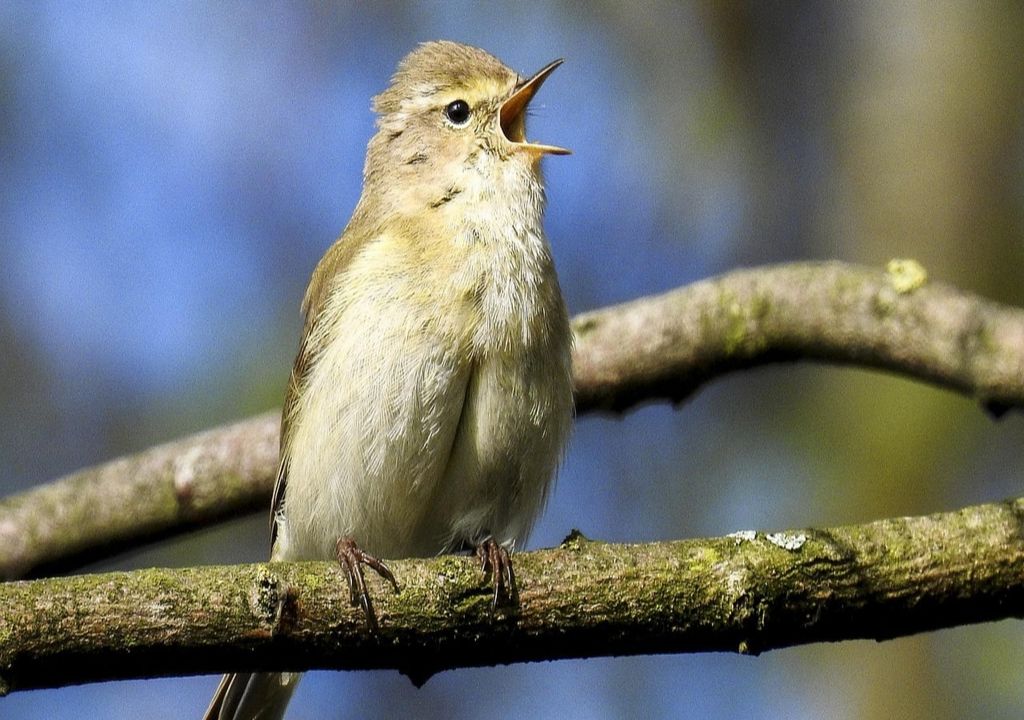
(331, 267)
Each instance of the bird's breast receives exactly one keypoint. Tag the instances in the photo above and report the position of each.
(501, 272)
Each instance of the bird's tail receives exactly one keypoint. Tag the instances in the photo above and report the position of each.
(252, 696)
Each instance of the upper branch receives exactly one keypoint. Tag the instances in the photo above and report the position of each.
(745, 592)
(164, 490)
(662, 347)
(669, 345)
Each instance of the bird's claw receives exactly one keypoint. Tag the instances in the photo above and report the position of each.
(496, 561)
(352, 559)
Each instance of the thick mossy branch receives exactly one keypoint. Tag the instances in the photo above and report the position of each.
(745, 593)
(655, 348)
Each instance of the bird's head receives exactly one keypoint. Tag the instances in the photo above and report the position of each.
(453, 118)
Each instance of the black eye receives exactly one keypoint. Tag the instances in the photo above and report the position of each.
(457, 112)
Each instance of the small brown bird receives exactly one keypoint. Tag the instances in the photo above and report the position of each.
(431, 397)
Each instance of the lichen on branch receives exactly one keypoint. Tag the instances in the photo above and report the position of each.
(746, 592)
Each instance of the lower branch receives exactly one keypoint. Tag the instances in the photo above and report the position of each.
(747, 592)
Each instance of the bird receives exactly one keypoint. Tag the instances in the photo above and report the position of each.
(430, 400)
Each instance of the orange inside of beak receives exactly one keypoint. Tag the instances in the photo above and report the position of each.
(512, 116)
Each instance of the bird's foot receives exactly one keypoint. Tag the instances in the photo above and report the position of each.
(496, 561)
(352, 559)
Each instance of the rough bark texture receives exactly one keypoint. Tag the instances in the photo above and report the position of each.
(655, 348)
(744, 593)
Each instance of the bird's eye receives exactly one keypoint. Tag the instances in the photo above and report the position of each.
(457, 112)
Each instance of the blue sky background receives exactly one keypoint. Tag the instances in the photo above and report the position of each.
(171, 172)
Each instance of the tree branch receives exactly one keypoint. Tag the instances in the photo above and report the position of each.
(663, 347)
(138, 498)
(744, 593)
(670, 345)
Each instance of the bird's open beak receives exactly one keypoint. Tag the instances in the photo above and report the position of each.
(512, 115)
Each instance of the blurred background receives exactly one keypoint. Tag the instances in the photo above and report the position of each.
(171, 172)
